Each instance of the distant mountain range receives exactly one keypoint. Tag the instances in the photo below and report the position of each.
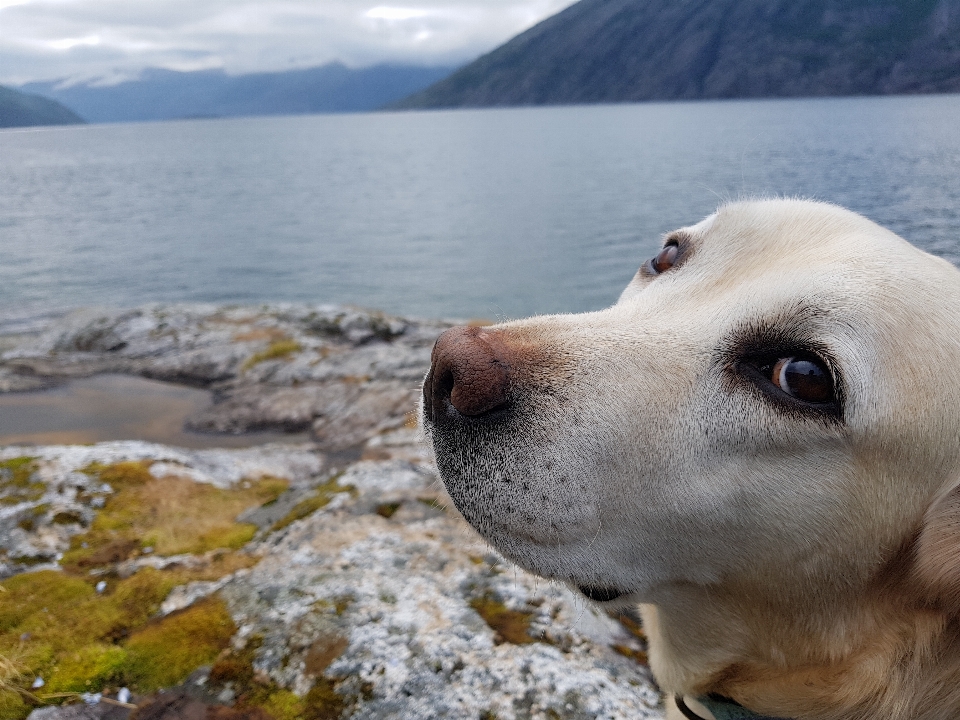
(167, 94)
(594, 51)
(18, 109)
(631, 50)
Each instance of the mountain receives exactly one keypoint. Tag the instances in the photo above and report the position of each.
(18, 109)
(631, 50)
(167, 94)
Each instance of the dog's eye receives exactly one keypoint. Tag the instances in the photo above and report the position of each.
(805, 379)
(665, 259)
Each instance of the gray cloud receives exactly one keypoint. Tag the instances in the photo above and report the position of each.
(114, 39)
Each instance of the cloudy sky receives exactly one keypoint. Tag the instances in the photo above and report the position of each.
(114, 39)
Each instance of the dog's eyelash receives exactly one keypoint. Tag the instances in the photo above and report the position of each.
(756, 372)
(752, 353)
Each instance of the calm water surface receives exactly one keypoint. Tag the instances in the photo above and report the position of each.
(486, 213)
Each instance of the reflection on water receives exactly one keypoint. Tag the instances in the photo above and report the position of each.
(114, 407)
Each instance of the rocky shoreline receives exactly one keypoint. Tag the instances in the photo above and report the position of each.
(326, 579)
(340, 373)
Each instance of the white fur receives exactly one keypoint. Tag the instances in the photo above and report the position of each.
(638, 459)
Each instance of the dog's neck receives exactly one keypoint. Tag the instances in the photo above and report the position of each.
(871, 651)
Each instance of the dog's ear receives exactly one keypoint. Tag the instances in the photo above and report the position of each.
(938, 551)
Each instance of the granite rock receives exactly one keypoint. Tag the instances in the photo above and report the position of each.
(385, 593)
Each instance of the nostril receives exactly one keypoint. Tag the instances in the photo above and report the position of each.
(442, 388)
(470, 371)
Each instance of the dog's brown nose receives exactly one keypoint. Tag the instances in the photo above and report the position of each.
(470, 369)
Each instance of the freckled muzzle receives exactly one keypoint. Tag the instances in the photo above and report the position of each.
(495, 407)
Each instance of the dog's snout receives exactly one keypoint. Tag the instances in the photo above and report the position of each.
(470, 369)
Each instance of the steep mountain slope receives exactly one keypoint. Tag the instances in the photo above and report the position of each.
(18, 109)
(166, 94)
(630, 50)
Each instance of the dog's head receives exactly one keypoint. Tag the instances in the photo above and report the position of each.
(775, 398)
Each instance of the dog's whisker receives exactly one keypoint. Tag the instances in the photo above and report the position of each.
(599, 528)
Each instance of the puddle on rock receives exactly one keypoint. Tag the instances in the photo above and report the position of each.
(115, 407)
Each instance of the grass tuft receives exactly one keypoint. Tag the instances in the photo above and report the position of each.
(15, 702)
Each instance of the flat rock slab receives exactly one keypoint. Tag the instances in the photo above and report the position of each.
(385, 594)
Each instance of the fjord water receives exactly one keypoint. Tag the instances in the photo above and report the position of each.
(472, 213)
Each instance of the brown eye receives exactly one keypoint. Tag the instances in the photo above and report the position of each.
(805, 379)
(665, 259)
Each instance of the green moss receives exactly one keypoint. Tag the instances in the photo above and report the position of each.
(233, 536)
(341, 603)
(77, 639)
(512, 626)
(236, 668)
(323, 702)
(338, 604)
(120, 475)
(321, 496)
(67, 518)
(27, 594)
(89, 667)
(13, 705)
(71, 629)
(17, 464)
(387, 510)
(172, 515)
(16, 481)
(275, 351)
(283, 705)
(59, 628)
(164, 652)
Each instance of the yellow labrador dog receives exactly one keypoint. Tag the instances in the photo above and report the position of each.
(760, 442)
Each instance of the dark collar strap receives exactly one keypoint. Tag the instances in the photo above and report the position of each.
(687, 712)
(730, 709)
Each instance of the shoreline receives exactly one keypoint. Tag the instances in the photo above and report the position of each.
(336, 373)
